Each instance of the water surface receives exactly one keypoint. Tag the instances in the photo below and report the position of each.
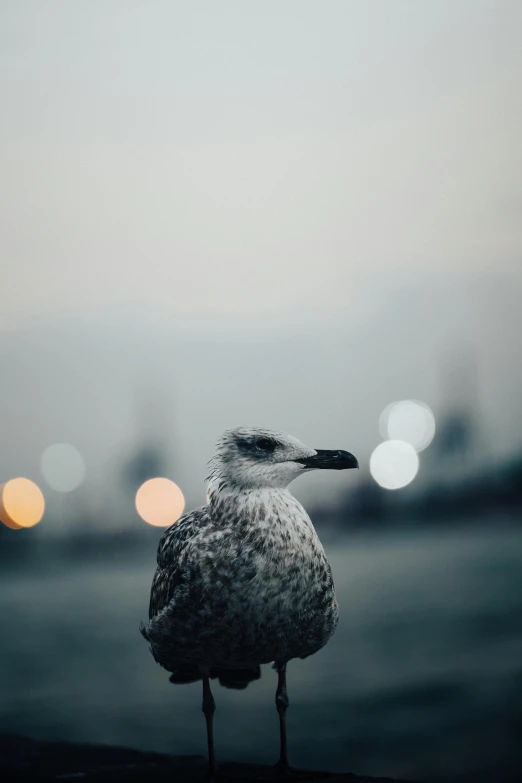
(422, 679)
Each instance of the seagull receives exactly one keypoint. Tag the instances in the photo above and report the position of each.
(244, 580)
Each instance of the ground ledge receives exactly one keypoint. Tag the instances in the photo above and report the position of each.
(23, 759)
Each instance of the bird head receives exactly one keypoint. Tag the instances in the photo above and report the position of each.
(251, 457)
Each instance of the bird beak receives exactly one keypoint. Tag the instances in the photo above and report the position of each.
(332, 460)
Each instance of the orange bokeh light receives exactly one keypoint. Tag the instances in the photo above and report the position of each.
(160, 502)
(21, 503)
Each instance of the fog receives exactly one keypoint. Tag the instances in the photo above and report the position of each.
(286, 215)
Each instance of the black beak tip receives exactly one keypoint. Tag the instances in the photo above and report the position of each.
(349, 460)
(334, 460)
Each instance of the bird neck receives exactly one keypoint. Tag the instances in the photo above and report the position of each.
(220, 489)
(256, 503)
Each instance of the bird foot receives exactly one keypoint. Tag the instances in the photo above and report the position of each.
(284, 772)
(211, 775)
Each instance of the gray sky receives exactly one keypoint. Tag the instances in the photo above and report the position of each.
(273, 213)
(253, 157)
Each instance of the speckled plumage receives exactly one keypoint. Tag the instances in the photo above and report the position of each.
(243, 580)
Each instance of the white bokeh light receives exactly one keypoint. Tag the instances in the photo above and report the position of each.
(409, 420)
(394, 464)
(62, 467)
(383, 420)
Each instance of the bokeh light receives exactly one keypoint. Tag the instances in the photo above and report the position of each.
(21, 503)
(62, 467)
(409, 420)
(160, 502)
(394, 464)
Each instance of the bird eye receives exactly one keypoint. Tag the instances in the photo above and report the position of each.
(265, 444)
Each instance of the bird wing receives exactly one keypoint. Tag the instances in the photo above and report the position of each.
(171, 558)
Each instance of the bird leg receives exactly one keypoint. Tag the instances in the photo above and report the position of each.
(209, 707)
(282, 703)
(283, 771)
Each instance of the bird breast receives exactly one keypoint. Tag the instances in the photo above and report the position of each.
(282, 592)
(255, 586)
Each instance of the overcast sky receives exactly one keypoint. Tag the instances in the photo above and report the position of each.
(215, 171)
(253, 157)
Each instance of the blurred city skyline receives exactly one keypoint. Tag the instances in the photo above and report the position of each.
(276, 215)
(112, 384)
